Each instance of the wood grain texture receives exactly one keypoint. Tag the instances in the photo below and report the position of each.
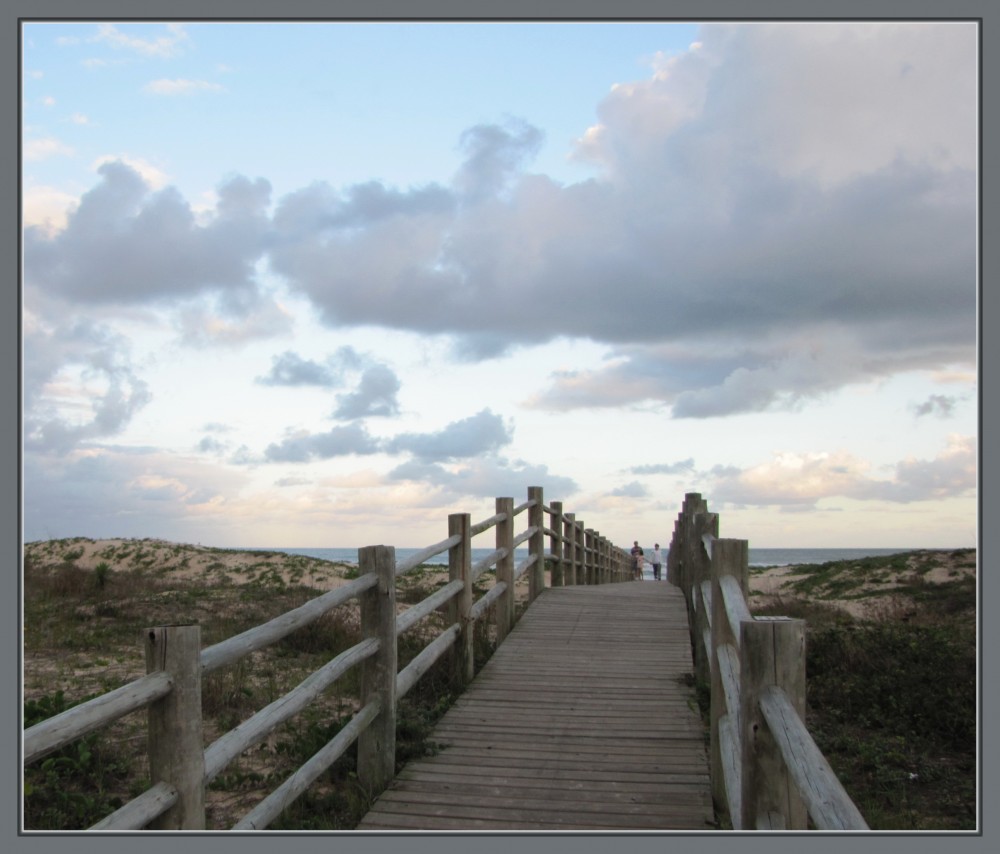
(583, 719)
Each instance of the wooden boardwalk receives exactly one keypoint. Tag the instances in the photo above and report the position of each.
(583, 719)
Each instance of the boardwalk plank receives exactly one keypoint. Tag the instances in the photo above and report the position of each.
(583, 719)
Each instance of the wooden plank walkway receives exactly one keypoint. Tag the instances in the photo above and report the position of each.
(581, 720)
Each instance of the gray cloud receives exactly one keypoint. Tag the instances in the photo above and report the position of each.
(631, 490)
(112, 492)
(485, 477)
(375, 395)
(211, 445)
(680, 467)
(337, 442)
(482, 433)
(767, 225)
(727, 214)
(494, 155)
(55, 422)
(290, 369)
(125, 244)
(937, 404)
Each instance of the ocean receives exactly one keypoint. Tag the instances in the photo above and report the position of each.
(758, 557)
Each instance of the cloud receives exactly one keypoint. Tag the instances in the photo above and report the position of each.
(42, 148)
(485, 477)
(290, 369)
(345, 441)
(154, 177)
(951, 474)
(79, 385)
(482, 433)
(768, 224)
(937, 404)
(375, 395)
(680, 467)
(111, 492)
(631, 490)
(802, 479)
(742, 195)
(124, 244)
(170, 44)
(181, 87)
(494, 154)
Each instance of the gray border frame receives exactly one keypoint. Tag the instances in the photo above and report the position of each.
(512, 9)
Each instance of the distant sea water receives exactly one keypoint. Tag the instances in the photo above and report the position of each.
(757, 557)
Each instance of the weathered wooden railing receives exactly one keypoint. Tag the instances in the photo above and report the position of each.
(767, 772)
(181, 767)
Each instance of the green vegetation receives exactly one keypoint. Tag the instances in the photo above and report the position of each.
(891, 700)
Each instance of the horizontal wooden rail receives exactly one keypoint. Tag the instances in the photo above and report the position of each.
(413, 561)
(488, 600)
(525, 565)
(426, 659)
(828, 804)
(140, 811)
(256, 728)
(274, 804)
(486, 524)
(232, 650)
(66, 727)
(413, 615)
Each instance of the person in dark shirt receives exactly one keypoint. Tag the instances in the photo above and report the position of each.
(637, 560)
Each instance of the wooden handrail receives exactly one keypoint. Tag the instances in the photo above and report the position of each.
(66, 727)
(746, 693)
(829, 805)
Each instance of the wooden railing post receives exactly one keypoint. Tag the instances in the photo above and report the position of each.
(589, 537)
(176, 746)
(459, 607)
(377, 744)
(571, 555)
(536, 543)
(505, 567)
(772, 652)
(674, 553)
(729, 557)
(704, 523)
(581, 552)
(556, 543)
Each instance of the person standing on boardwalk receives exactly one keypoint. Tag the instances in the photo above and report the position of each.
(657, 561)
(637, 559)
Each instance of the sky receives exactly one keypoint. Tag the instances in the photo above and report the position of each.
(322, 284)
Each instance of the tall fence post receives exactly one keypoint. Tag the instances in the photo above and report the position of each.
(701, 572)
(589, 537)
(176, 745)
(571, 554)
(459, 607)
(536, 543)
(772, 652)
(505, 567)
(377, 744)
(674, 554)
(556, 542)
(729, 557)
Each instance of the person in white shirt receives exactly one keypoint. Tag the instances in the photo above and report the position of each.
(657, 560)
